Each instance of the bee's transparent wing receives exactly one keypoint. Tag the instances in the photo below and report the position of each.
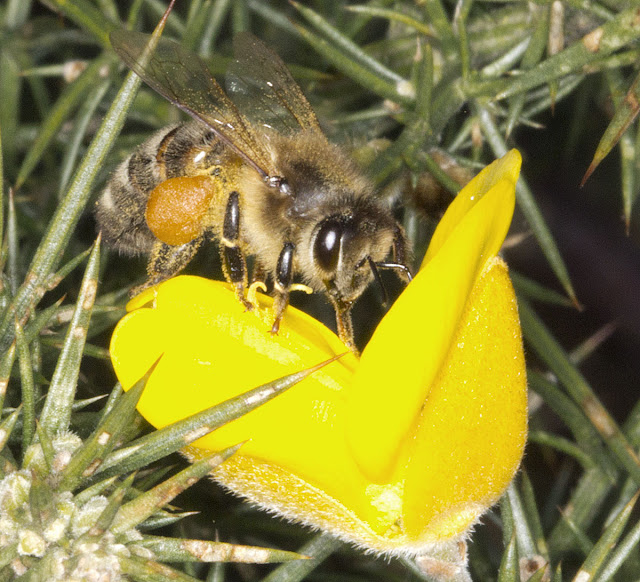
(184, 79)
(264, 90)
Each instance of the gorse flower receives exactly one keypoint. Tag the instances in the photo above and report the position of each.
(400, 451)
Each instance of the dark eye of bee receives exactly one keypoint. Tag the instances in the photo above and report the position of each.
(326, 249)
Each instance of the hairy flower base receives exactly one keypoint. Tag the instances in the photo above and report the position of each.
(399, 452)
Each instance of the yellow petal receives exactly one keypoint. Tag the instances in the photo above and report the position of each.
(506, 168)
(213, 350)
(472, 429)
(192, 313)
(410, 344)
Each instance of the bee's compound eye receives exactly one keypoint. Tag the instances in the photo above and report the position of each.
(326, 249)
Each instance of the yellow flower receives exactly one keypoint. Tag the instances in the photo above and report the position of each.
(401, 451)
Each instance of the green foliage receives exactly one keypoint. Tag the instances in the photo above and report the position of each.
(422, 81)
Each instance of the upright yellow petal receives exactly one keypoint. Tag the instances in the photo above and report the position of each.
(409, 346)
(505, 168)
(472, 430)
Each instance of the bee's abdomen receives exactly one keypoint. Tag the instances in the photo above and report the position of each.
(120, 211)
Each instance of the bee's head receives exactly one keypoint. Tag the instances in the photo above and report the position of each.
(347, 246)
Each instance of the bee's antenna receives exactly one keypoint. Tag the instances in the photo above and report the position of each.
(376, 276)
(398, 266)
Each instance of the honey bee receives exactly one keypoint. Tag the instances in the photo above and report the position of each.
(255, 173)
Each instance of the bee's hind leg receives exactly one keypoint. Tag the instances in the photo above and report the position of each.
(166, 261)
(282, 284)
(234, 263)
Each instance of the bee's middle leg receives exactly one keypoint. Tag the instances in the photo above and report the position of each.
(282, 284)
(234, 263)
(166, 261)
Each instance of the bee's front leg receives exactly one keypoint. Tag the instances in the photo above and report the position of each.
(233, 260)
(282, 284)
(166, 261)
